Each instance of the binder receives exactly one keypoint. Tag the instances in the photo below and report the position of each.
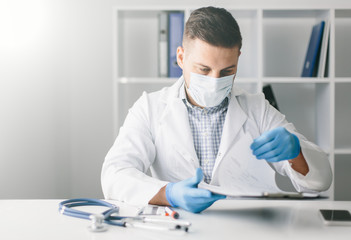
(268, 93)
(175, 38)
(324, 49)
(163, 44)
(312, 56)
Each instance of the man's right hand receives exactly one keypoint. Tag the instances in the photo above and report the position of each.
(186, 195)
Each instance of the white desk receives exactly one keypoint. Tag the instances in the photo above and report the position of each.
(226, 219)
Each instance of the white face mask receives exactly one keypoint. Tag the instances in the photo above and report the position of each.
(208, 91)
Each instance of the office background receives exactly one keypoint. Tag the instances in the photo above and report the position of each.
(56, 92)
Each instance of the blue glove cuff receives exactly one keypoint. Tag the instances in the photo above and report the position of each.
(168, 194)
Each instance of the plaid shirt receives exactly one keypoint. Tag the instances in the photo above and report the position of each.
(206, 126)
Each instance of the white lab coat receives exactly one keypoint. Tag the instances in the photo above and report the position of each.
(156, 140)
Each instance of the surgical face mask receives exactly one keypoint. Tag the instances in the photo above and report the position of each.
(208, 91)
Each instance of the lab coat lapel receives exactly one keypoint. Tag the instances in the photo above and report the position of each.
(233, 123)
(175, 122)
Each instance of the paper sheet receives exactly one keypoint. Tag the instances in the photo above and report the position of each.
(280, 194)
(241, 173)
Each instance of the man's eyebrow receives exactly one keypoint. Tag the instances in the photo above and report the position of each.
(229, 67)
(203, 65)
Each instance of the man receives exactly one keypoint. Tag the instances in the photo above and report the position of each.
(196, 125)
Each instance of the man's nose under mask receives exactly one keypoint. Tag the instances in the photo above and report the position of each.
(208, 91)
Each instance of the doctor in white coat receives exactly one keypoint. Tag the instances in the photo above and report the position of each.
(156, 157)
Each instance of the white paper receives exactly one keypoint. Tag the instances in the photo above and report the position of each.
(241, 173)
(236, 194)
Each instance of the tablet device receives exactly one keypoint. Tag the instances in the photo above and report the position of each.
(335, 217)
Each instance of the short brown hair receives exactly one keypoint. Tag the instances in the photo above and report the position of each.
(215, 26)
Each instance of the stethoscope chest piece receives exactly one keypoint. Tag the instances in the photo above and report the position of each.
(97, 223)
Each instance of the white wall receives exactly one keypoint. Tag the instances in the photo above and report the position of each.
(56, 93)
(34, 99)
(55, 97)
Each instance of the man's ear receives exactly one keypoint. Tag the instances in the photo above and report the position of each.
(180, 57)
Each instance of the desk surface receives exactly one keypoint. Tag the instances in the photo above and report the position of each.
(226, 219)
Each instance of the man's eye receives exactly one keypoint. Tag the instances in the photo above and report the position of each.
(227, 72)
(205, 69)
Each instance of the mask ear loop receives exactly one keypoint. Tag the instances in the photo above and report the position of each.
(233, 83)
(185, 85)
(186, 91)
(234, 75)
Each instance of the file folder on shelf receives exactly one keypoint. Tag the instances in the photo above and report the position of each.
(322, 66)
(175, 38)
(163, 44)
(310, 66)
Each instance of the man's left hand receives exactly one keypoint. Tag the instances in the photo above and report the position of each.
(276, 145)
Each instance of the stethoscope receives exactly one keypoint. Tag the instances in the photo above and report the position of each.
(99, 221)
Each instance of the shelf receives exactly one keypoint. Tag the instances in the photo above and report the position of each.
(295, 13)
(342, 115)
(297, 102)
(294, 80)
(343, 80)
(286, 35)
(343, 151)
(135, 24)
(248, 22)
(275, 41)
(342, 43)
(136, 29)
(343, 177)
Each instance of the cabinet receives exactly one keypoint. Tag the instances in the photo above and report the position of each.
(275, 42)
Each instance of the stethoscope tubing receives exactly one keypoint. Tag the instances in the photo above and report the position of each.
(67, 208)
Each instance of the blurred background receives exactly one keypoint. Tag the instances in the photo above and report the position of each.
(56, 93)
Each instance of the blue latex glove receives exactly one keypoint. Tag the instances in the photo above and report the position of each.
(186, 195)
(276, 145)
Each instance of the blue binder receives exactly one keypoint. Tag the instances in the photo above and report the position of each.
(310, 66)
(175, 38)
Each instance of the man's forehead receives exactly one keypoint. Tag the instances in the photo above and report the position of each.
(190, 44)
(212, 57)
(205, 53)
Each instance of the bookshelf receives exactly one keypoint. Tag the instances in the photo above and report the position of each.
(275, 42)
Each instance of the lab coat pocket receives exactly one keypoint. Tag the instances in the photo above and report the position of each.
(185, 160)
